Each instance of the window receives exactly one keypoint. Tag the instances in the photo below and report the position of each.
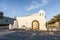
(6, 20)
(1, 15)
(40, 14)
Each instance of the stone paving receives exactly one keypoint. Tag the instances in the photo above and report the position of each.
(27, 35)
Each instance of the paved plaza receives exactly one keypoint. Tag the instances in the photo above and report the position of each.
(27, 35)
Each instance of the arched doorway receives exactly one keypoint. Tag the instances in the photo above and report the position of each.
(35, 25)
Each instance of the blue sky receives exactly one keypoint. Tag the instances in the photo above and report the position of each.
(15, 8)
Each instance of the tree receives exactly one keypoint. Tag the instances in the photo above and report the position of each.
(57, 17)
(53, 20)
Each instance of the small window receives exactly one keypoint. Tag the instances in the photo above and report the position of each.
(1, 17)
(6, 20)
(40, 14)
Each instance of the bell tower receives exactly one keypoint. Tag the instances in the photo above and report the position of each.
(41, 13)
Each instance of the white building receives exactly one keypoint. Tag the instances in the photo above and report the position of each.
(5, 21)
(35, 21)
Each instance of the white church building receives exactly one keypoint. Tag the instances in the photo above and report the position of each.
(36, 21)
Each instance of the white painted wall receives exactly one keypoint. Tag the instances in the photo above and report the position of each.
(27, 21)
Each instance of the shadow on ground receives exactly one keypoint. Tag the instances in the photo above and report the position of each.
(24, 35)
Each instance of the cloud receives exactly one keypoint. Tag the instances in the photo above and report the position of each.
(35, 5)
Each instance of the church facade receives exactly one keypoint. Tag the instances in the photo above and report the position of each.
(35, 21)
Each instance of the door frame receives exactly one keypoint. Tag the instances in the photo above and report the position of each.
(37, 22)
